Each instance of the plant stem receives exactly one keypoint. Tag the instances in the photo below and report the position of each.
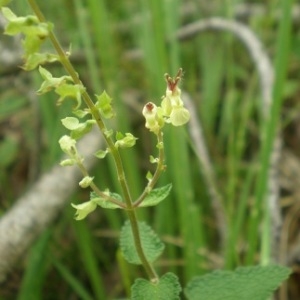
(130, 209)
(94, 187)
(159, 169)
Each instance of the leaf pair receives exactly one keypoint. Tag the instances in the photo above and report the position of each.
(245, 283)
(153, 198)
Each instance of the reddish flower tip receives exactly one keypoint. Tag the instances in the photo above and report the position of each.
(172, 82)
(149, 106)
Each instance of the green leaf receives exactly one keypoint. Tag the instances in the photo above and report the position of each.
(101, 153)
(103, 202)
(66, 90)
(71, 123)
(104, 105)
(50, 82)
(37, 59)
(108, 132)
(125, 142)
(156, 196)
(245, 283)
(80, 113)
(167, 288)
(77, 129)
(151, 244)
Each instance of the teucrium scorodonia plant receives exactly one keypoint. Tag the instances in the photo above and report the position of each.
(138, 242)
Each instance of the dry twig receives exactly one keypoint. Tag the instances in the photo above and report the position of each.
(266, 74)
(38, 208)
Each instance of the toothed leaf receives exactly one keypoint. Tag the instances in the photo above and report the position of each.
(156, 196)
(245, 283)
(168, 287)
(151, 244)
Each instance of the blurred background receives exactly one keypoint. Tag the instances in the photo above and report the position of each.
(219, 216)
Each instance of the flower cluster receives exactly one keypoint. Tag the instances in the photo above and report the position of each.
(171, 110)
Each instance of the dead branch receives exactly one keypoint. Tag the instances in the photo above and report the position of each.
(34, 211)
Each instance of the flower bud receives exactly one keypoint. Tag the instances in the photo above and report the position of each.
(68, 145)
(83, 209)
(86, 181)
(154, 117)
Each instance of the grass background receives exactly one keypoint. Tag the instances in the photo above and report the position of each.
(81, 260)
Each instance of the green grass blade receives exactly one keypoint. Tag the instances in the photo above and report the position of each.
(75, 284)
(269, 131)
(86, 38)
(281, 64)
(189, 218)
(87, 252)
(35, 273)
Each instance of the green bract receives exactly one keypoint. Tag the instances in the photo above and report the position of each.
(104, 105)
(68, 162)
(153, 160)
(80, 113)
(35, 31)
(66, 90)
(101, 153)
(108, 133)
(36, 59)
(86, 181)
(71, 123)
(63, 86)
(50, 82)
(125, 142)
(77, 129)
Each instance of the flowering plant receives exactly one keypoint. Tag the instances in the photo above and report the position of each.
(138, 242)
